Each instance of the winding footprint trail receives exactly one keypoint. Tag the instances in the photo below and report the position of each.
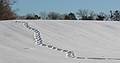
(70, 54)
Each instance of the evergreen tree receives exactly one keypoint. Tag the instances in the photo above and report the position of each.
(72, 16)
(101, 16)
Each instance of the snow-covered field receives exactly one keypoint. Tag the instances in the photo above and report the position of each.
(85, 38)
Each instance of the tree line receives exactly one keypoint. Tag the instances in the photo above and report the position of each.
(81, 14)
(6, 13)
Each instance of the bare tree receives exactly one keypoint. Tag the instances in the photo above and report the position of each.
(43, 15)
(6, 11)
(86, 14)
(53, 16)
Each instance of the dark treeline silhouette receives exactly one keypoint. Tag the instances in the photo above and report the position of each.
(32, 16)
(81, 14)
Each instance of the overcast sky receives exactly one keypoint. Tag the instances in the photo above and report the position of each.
(64, 6)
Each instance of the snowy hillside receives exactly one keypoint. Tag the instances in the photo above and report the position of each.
(84, 38)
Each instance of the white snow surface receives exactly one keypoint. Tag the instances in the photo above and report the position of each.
(85, 38)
